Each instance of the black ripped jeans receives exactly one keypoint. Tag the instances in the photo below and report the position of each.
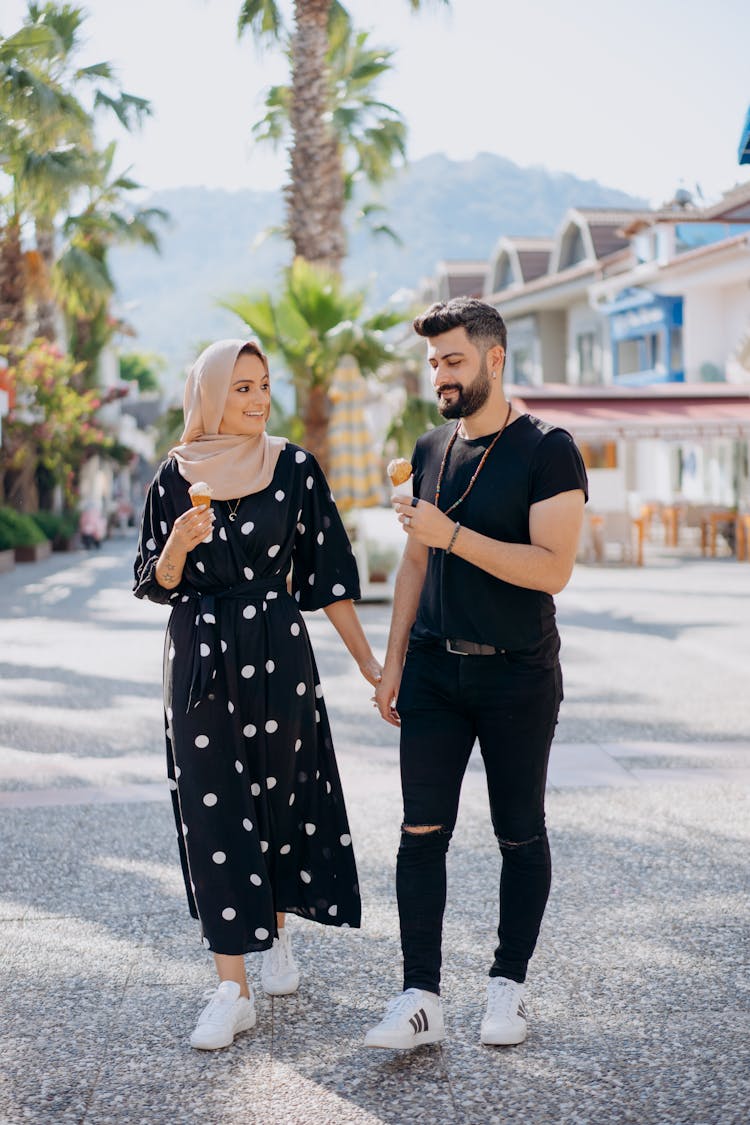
(509, 702)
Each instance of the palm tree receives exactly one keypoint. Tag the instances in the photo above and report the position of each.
(81, 278)
(47, 110)
(29, 99)
(65, 158)
(316, 189)
(310, 325)
(371, 134)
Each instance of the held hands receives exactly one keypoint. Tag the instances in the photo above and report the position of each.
(191, 528)
(385, 696)
(423, 521)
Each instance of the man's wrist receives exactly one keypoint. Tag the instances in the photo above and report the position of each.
(394, 660)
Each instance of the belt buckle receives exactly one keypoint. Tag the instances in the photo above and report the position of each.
(455, 651)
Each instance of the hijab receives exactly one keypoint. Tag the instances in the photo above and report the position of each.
(232, 464)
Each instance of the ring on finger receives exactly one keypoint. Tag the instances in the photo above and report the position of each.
(414, 501)
(407, 521)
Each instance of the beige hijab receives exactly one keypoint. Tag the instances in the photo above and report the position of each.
(233, 465)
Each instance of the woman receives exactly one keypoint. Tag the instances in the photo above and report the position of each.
(260, 815)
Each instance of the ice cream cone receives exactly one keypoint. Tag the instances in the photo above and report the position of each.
(201, 493)
(400, 474)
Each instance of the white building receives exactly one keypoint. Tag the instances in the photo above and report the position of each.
(634, 310)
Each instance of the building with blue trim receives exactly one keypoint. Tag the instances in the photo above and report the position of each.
(645, 331)
(632, 329)
(743, 153)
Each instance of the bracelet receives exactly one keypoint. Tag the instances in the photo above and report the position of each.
(454, 537)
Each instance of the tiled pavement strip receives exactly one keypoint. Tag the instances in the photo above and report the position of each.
(639, 991)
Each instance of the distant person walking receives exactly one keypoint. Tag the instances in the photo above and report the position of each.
(92, 527)
(492, 533)
(260, 814)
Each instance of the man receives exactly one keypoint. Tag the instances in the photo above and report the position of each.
(492, 533)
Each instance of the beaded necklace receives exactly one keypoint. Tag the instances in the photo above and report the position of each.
(478, 469)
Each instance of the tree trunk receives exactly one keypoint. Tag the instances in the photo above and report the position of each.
(315, 192)
(46, 310)
(12, 287)
(20, 488)
(316, 415)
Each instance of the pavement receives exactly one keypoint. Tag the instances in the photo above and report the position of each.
(639, 993)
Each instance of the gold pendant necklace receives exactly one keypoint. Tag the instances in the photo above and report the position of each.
(233, 511)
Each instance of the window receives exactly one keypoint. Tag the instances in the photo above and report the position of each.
(676, 349)
(599, 454)
(688, 236)
(522, 366)
(586, 348)
(653, 358)
(645, 353)
(628, 357)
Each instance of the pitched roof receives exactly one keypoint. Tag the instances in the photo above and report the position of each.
(460, 278)
(533, 256)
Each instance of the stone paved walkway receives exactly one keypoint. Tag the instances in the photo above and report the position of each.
(639, 991)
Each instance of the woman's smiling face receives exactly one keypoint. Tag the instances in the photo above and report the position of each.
(248, 403)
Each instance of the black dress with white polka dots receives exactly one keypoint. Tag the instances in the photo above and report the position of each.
(260, 814)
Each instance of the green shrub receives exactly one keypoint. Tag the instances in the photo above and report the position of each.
(6, 539)
(20, 528)
(56, 526)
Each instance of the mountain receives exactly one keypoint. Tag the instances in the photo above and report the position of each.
(440, 208)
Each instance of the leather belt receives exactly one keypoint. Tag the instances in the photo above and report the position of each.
(470, 648)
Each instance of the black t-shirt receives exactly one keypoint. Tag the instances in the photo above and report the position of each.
(531, 461)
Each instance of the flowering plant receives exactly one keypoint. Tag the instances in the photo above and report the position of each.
(52, 422)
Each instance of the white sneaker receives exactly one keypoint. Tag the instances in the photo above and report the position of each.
(223, 1017)
(411, 1019)
(279, 974)
(504, 1023)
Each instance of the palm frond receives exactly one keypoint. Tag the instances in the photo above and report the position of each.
(127, 108)
(262, 18)
(27, 39)
(96, 70)
(81, 281)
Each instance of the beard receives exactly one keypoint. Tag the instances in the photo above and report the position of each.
(468, 399)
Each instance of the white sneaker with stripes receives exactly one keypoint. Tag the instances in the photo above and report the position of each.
(504, 1023)
(411, 1020)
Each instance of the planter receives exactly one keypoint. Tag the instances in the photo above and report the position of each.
(66, 543)
(7, 561)
(34, 554)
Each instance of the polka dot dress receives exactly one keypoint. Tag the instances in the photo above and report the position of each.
(261, 821)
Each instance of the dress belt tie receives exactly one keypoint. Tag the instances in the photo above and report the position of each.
(206, 637)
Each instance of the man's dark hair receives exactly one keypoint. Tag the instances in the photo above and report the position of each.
(483, 323)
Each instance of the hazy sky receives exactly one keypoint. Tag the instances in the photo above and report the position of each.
(644, 95)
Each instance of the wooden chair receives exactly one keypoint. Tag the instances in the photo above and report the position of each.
(621, 531)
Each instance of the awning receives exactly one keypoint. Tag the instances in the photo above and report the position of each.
(671, 413)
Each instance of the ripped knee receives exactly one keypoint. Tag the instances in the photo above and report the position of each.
(514, 845)
(422, 841)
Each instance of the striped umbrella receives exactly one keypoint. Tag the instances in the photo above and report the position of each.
(354, 465)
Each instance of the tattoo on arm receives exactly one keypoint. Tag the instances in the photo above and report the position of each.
(168, 566)
(169, 576)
